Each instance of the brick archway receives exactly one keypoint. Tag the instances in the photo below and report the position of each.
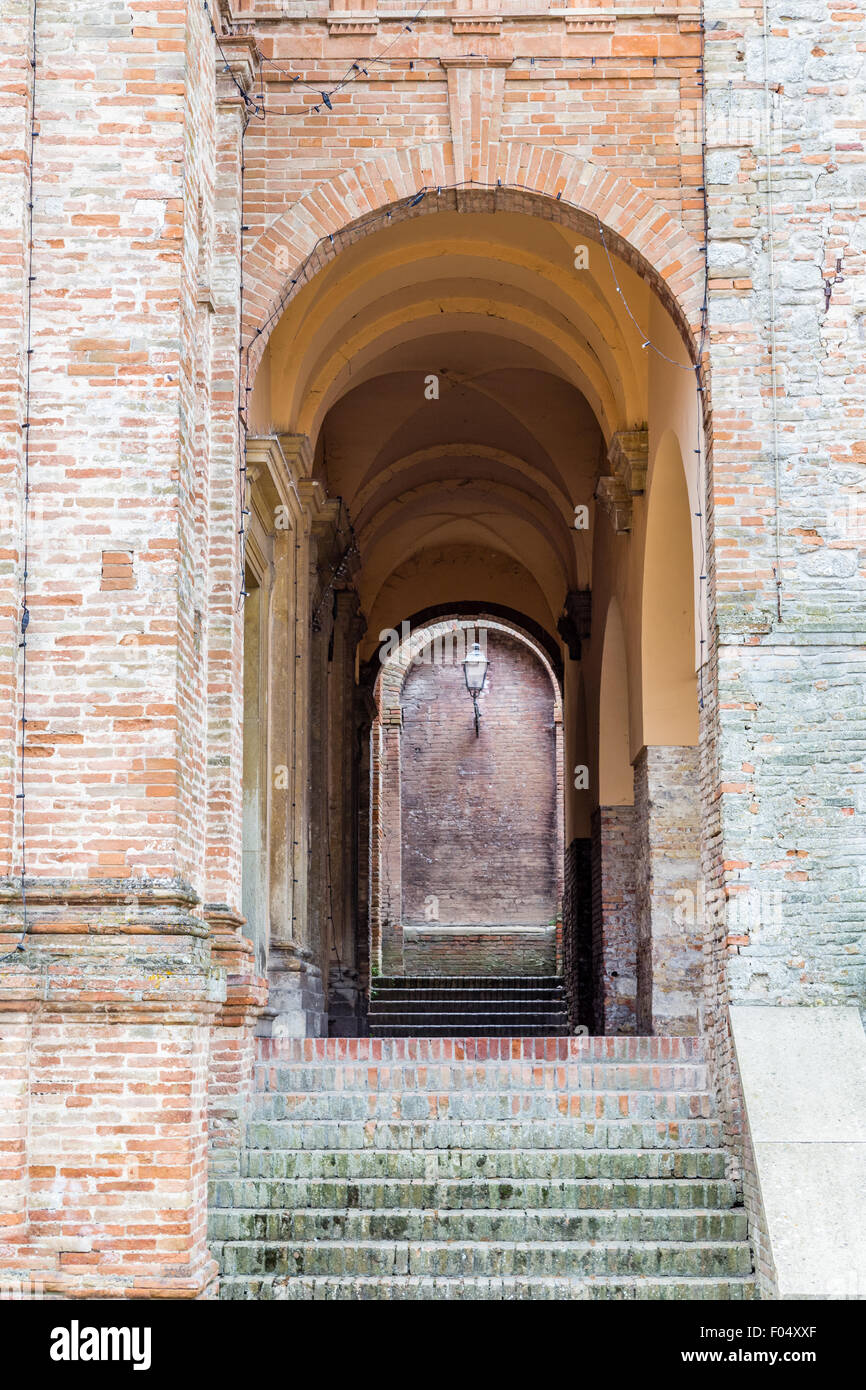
(444, 640)
(522, 178)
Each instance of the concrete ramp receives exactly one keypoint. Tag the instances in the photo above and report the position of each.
(803, 1073)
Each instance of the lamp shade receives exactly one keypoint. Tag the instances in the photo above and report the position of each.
(475, 665)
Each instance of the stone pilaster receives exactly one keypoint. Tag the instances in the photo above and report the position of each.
(668, 878)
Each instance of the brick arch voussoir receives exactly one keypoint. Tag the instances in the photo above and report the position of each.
(527, 178)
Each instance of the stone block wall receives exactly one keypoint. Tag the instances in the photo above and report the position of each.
(667, 876)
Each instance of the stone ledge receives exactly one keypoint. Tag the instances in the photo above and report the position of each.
(803, 1075)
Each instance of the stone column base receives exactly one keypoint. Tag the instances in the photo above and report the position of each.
(346, 1011)
(296, 1006)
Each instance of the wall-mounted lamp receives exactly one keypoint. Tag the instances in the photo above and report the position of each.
(475, 666)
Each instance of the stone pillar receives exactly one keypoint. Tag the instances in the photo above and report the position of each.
(668, 866)
(614, 921)
(295, 1005)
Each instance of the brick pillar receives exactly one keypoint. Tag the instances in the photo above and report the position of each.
(391, 854)
(614, 923)
(232, 1043)
(577, 933)
(343, 983)
(668, 864)
(117, 973)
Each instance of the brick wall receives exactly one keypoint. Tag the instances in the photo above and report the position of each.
(479, 814)
(450, 951)
(577, 933)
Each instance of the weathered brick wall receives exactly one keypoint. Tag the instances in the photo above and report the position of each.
(614, 920)
(116, 978)
(479, 814)
(449, 951)
(577, 933)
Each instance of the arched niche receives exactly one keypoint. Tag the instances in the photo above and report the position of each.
(668, 680)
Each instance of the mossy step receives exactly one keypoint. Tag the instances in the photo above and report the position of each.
(416, 1287)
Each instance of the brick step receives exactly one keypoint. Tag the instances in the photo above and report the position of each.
(508, 1164)
(489, 1135)
(471, 1194)
(456, 1077)
(462, 982)
(517, 1048)
(417, 1287)
(275, 1227)
(483, 1104)
(450, 1258)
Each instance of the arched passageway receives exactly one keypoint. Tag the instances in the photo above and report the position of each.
(457, 415)
(467, 869)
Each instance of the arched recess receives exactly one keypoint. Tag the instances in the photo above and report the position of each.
(615, 776)
(669, 598)
(473, 924)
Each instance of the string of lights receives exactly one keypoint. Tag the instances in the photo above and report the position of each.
(252, 106)
(26, 425)
(355, 69)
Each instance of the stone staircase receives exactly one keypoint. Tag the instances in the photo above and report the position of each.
(481, 1168)
(468, 1006)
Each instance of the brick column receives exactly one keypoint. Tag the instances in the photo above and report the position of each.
(668, 864)
(391, 855)
(343, 979)
(117, 974)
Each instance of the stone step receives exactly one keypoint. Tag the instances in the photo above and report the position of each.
(491, 1005)
(467, 1028)
(457, 1077)
(483, 1104)
(513, 1225)
(506, 1164)
(490, 1135)
(434, 989)
(365, 1288)
(461, 982)
(470, 1194)
(518, 1048)
(450, 1258)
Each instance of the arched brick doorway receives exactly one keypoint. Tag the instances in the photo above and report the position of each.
(466, 845)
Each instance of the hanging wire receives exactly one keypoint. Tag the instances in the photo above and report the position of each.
(25, 610)
(252, 106)
(355, 69)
